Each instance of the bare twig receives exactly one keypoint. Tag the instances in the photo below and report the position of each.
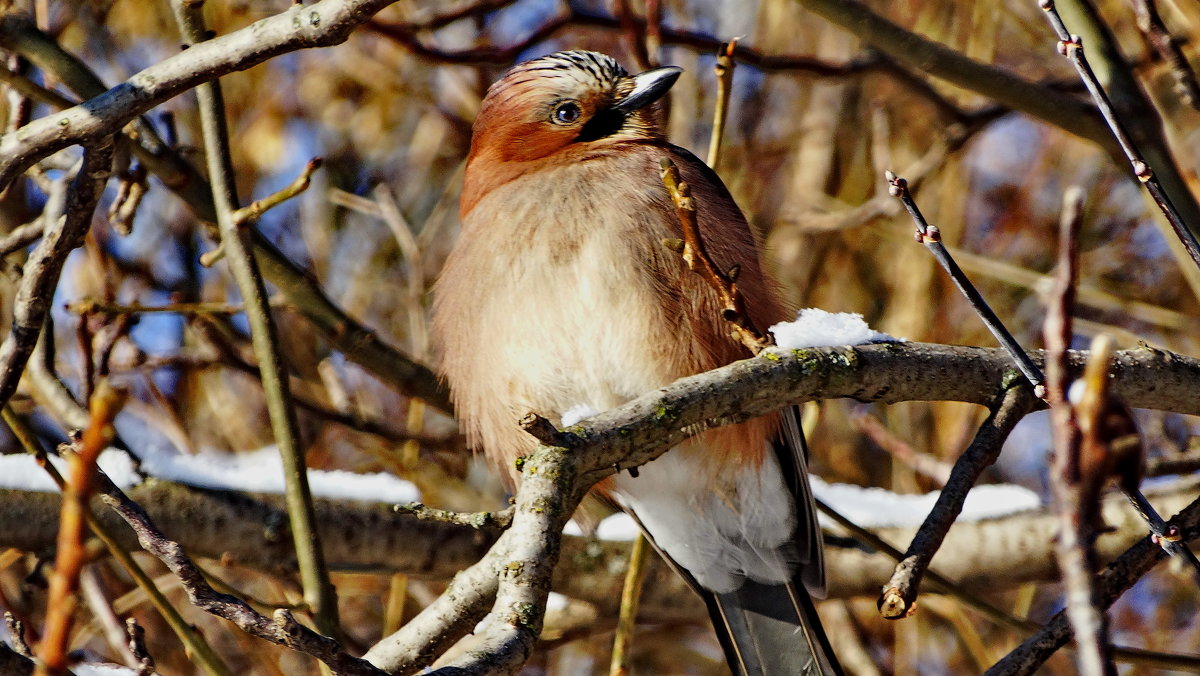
(634, 34)
(64, 585)
(21, 236)
(16, 634)
(44, 266)
(899, 595)
(255, 210)
(137, 646)
(1075, 486)
(282, 629)
(1160, 39)
(922, 463)
(318, 591)
(91, 306)
(631, 593)
(930, 236)
(1113, 581)
(724, 282)
(1071, 46)
(323, 23)
(724, 72)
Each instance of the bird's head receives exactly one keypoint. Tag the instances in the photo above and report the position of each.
(565, 106)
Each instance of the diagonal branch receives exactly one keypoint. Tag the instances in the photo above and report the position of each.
(899, 594)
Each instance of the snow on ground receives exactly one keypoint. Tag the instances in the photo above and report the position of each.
(258, 471)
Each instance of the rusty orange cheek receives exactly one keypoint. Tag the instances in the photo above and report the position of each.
(535, 140)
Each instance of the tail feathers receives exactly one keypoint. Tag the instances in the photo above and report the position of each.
(771, 630)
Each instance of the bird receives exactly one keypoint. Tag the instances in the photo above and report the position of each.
(561, 296)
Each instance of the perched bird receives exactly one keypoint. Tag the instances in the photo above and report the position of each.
(560, 294)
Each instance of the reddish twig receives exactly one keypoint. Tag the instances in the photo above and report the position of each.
(1075, 487)
(61, 601)
(922, 463)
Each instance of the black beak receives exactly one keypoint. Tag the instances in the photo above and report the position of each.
(648, 87)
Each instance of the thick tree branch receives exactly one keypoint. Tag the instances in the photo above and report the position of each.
(321, 24)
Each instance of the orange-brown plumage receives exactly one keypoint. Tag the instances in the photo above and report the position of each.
(612, 181)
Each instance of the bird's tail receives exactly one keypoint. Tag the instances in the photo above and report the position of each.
(771, 630)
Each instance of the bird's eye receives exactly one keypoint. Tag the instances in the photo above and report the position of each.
(566, 113)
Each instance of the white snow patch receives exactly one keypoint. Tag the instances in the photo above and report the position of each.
(96, 669)
(556, 602)
(619, 526)
(879, 508)
(22, 472)
(814, 327)
(258, 471)
(577, 413)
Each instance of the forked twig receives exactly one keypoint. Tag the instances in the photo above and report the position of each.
(733, 304)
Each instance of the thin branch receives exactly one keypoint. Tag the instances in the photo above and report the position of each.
(915, 51)
(1167, 46)
(253, 211)
(634, 34)
(42, 270)
(898, 598)
(1113, 581)
(724, 72)
(1071, 46)
(21, 236)
(282, 629)
(631, 594)
(318, 591)
(62, 598)
(1074, 486)
(923, 463)
(1173, 463)
(931, 237)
